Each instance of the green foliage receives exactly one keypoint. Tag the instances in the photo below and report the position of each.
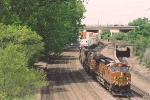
(18, 45)
(140, 45)
(105, 34)
(146, 58)
(16, 79)
(131, 37)
(119, 36)
(144, 30)
(141, 37)
(56, 21)
(139, 21)
(32, 44)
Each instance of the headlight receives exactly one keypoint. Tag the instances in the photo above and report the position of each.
(127, 78)
(115, 77)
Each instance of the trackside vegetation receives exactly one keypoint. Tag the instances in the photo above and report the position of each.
(56, 21)
(105, 34)
(139, 36)
(29, 30)
(18, 45)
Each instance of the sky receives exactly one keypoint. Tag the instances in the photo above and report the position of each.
(105, 12)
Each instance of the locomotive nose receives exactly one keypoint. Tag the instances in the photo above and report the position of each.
(123, 79)
(122, 76)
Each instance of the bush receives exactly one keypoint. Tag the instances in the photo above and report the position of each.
(147, 57)
(18, 45)
(30, 42)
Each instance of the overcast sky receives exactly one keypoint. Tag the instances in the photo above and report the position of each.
(115, 11)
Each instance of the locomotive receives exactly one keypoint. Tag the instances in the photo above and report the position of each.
(115, 76)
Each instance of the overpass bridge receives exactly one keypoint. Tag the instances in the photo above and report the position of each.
(113, 29)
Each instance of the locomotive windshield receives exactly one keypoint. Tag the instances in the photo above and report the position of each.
(117, 68)
(124, 68)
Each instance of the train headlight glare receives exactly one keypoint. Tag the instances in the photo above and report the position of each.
(127, 78)
(114, 77)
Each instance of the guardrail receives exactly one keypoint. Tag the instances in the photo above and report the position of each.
(106, 25)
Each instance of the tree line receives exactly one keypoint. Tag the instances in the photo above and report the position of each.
(30, 29)
(141, 37)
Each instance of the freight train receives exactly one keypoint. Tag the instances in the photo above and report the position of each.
(88, 39)
(115, 76)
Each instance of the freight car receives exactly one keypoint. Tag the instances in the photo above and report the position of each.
(115, 76)
(89, 43)
(88, 39)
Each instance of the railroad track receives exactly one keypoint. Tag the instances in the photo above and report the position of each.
(67, 80)
(141, 93)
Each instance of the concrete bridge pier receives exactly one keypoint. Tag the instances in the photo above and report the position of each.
(99, 34)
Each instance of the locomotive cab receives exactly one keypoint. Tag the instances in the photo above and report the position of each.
(120, 77)
(114, 76)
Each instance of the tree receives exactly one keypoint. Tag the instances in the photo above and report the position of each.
(105, 34)
(147, 57)
(141, 37)
(139, 21)
(14, 64)
(119, 36)
(31, 42)
(18, 45)
(57, 22)
(141, 45)
(144, 30)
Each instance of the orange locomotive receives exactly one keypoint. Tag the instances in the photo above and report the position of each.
(87, 60)
(114, 76)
